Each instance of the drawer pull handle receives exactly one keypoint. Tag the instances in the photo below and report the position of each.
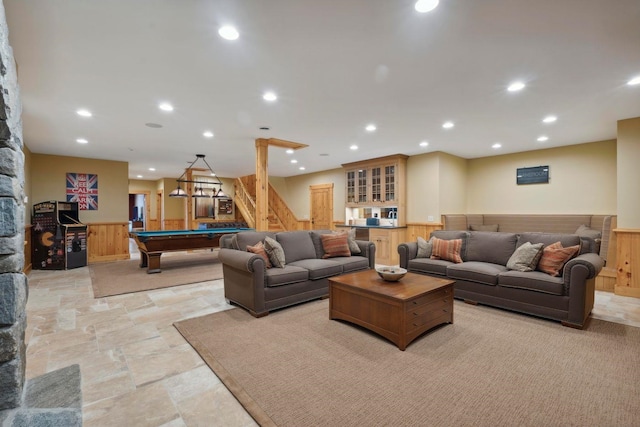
(415, 314)
(445, 300)
(444, 310)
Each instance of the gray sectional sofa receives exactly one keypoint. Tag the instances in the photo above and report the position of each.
(483, 277)
(305, 276)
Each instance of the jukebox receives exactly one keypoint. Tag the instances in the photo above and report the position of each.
(59, 238)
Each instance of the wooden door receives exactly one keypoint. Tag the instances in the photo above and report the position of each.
(321, 206)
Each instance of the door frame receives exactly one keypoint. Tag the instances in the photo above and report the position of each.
(147, 206)
(316, 187)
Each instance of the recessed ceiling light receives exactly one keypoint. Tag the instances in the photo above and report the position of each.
(549, 119)
(228, 32)
(370, 127)
(165, 106)
(84, 113)
(294, 161)
(424, 6)
(82, 141)
(634, 81)
(447, 125)
(138, 176)
(302, 168)
(515, 86)
(353, 147)
(496, 146)
(290, 151)
(152, 169)
(424, 144)
(269, 96)
(543, 138)
(207, 134)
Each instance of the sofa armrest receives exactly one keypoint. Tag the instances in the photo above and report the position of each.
(241, 260)
(368, 249)
(579, 281)
(407, 252)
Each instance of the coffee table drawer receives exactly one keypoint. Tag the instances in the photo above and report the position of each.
(421, 315)
(439, 295)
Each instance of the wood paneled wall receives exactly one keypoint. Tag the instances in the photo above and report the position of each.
(107, 241)
(153, 225)
(173, 224)
(27, 249)
(628, 262)
(422, 229)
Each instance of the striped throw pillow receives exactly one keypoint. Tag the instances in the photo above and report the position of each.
(258, 249)
(335, 244)
(448, 250)
(555, 256)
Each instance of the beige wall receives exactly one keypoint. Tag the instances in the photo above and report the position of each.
(629, 173)
(48, 182)
(174, 207)
(453, 184)
(423, 187)
(582, 181)
(27, 184)
(295, 192)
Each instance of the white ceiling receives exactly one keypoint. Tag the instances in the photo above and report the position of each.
(336, 66)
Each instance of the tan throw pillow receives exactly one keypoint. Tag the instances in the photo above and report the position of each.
(275, 251)
(258, 249)
(448, 250)
(335, 244)
(555, 256)
(424, 248)
(351, 240)
(526, 257)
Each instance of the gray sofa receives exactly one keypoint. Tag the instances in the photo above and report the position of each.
(305, 276)
(483, 277)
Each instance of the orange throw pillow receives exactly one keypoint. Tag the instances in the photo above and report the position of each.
(335, 244)
(258, 249)
(555, 256)
(448, 250)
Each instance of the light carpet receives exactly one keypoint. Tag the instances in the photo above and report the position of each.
(123, 277)
(490, 367)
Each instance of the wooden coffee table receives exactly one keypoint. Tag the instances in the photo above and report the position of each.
(399, 311)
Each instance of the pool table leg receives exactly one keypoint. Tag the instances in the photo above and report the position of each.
(154, 263)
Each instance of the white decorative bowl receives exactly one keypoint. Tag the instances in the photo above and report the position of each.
(391, 274)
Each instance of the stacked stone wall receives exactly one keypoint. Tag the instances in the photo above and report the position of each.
(13, 283)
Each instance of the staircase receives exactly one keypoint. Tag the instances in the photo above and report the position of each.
(280, 217)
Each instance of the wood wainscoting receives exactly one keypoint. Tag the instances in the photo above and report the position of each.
(27, 249)
(173, 224)
(627, 262)
(421, 229)
(107, 241)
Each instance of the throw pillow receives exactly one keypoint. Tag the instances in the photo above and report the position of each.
(490, 227)
(448, 250)
(555, 256)
(258, 249)
(424, 248)
(275, 251)
(351, 240)
(335, 244)
(586, 231)
(526, 257)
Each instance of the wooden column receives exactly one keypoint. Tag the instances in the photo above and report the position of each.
(262, 185)
(628, 262)
(188, 200)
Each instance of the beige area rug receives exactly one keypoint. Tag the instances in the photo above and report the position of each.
(296, 367)
(123, 277)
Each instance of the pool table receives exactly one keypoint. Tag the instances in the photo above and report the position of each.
(153, 243)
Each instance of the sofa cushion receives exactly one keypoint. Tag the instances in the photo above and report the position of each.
(319, 268)
(549, 238)
(297, 245)
(489, 227)
(448, 250)
(450, 235)
(425, 247)
(555, 256)
(286, 276)
(352, 263)
(316, 238)
(492, 247)
(249, 238)
(335, 244)
(275, 252)
(586, 231)
(258, 249)
(526, 257)
(532, 281)
(428, 265)
(473, 271)
(351, 240)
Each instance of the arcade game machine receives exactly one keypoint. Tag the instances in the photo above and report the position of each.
(59, 238)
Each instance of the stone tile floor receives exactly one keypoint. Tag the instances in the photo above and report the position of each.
(137, 370)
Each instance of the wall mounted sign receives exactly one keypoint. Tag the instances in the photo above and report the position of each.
(534, 175)
(83, 188)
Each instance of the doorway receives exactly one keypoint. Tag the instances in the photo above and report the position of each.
(139, 210)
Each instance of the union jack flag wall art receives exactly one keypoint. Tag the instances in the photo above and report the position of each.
(83, 188)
